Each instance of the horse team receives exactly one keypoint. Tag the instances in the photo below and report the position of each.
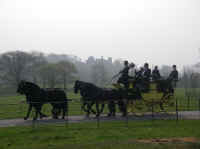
(91, 95)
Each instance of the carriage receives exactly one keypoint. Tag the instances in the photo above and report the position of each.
(159, 93)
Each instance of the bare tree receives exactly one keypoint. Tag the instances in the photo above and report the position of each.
(15, 66)
(66, 70)
(48, 73)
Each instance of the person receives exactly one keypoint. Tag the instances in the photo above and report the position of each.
(124, 74)
(173, 75)
(146, 77)
(156, 74)
(138, 74)
(147, 72)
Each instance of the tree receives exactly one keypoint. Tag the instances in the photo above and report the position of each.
(165, 70)
(66, 70)
(15, 66)
(49, 74)
(99, 74)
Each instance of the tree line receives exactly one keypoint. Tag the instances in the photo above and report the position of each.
(55, 70)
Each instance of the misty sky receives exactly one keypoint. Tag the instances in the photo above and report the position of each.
(154, 31)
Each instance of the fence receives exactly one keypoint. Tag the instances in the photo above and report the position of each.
(181, 109)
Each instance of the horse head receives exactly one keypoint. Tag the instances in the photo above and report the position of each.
(21, 87)
(25, 87)
(77, 86)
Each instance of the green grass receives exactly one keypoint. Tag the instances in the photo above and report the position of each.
(110, 135)
(16, 107)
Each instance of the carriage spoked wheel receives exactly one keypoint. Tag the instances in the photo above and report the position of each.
(149, 98)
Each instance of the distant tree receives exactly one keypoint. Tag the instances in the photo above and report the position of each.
(38, 61)
(15, 66)
(49, 74)
(99, 74)
(66, 71)
(165, 70)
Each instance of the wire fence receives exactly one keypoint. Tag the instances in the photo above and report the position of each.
(178, 110)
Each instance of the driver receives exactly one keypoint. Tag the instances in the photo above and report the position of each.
(174, 75)
(124, 74)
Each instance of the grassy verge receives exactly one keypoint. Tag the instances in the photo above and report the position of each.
(110, 135)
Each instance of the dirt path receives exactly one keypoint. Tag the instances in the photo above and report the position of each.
(78, 119)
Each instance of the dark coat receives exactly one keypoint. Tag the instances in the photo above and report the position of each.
(156, 74)
(174, 75)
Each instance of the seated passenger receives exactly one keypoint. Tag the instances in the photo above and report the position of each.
(146, 77)
(156, 74)
(173, 76)
(147, 72)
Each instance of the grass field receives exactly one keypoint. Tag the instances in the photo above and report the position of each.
(110, 135)
(15, 106)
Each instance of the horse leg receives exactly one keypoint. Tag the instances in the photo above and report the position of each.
(28, 112)
(93, 111)
(120, 105)
(83, 107)
(88, 110)
(42, 115)
(123, 108)
(38, 111)
(161, 106)
(54, 112)
(97, 108)
(64, 111)
(112, 109)
(102, 107)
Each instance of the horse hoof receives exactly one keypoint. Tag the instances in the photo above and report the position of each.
(109, 115)
(97, 115)
(25, 118)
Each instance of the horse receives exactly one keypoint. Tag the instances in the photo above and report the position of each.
(37, 97)
(92, 94)
(166, 87)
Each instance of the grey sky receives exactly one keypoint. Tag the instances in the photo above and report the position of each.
(156, 31)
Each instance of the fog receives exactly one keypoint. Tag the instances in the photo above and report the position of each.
(154, 31)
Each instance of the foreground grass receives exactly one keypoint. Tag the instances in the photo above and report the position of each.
(110, 135)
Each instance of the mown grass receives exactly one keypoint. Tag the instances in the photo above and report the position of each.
(110, 135)
(16, 107)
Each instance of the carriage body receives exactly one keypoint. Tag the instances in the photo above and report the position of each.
(153, 96)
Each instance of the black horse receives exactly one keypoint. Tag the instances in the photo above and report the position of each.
(166, 87)
(36, 97)
(92, 94)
